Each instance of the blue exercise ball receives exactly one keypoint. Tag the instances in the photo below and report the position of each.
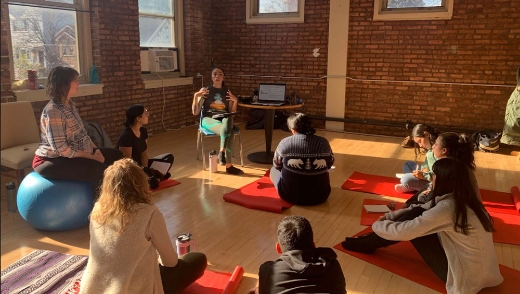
(54, 205)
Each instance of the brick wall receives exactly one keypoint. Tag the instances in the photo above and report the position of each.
(273, 50)
(6, 93)
(116, 52)
(480, 44)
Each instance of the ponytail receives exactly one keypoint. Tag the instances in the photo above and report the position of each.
(459, 147)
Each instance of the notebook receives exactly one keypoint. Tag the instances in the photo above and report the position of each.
(377, 208)
(270, 94)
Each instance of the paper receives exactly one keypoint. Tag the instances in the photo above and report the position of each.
(379, 208)
(160, 166)
(399, 175)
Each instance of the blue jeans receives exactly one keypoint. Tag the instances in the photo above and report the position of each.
(409, 181)
(274, 174)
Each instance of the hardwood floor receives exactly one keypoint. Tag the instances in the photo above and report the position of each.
(231, 235)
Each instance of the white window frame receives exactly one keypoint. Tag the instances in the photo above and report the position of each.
(83, 40)
(413, 13)
(253, 17)
(178, 33)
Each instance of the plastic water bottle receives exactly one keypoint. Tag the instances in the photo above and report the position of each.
(213, 161)
(11, 197)
(94, 77)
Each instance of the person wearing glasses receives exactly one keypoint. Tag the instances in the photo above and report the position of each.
(66, 152)
(133, 140)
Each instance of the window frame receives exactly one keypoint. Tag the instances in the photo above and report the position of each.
(178, 37)
(83, 39)
(254, 17)
(412, 13)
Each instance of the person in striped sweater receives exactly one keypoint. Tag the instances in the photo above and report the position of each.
(301, 163)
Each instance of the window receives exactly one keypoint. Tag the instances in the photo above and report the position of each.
(48, 33)
(275, 11)
(412, 9)
(160, 26)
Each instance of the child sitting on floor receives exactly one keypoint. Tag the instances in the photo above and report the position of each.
(301, 267)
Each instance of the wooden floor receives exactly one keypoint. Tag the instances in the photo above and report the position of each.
(231, 235)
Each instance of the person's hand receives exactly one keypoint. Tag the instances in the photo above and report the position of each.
(253, 291)
(231, 97)
(425, 170)
(98, 156)
(382, 218)
(202, 93)
(418, 174)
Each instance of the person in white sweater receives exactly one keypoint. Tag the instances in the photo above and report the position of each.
(452, 232)
(126, 233)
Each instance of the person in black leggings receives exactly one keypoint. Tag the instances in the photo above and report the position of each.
(66, 151)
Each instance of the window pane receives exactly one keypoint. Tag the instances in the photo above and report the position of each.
(156, 7)
(61, 1)
(156, 32)
(413, 3)
(42, 39)
(277, 6)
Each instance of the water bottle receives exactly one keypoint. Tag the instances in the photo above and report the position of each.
(213, 161)
(185, 244)
(11, 197)
(94, 77)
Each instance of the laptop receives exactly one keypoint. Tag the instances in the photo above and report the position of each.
(270, 94)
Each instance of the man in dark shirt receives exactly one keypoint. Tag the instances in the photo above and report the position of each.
(301, 267)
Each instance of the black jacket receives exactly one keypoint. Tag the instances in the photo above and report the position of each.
(310, 271)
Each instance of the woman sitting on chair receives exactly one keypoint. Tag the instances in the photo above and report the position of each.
(66, 152)
(133, 140)
(216, 102)
(301, 163)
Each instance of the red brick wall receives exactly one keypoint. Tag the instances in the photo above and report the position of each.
(273, 50)
(6, 93)
(116, 52)
(480, 44)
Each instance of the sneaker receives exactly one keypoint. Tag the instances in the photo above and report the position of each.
(234, 171)
(401, 189)
(166, 176)
(222, 158)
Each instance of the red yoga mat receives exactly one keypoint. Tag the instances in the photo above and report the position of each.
(402, 259)
(507, 226)
(166, 184)
(216, 282)
(494, 201)
(260, 194)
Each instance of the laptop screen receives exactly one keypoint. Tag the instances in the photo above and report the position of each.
(271, 92)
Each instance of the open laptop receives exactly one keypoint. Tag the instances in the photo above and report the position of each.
(271, 94)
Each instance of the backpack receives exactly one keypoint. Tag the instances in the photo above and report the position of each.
(486, 140)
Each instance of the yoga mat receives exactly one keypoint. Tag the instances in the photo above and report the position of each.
(44, 271)
(260, 194)
(507, 226)
(402, 259)
(367, 219)
(494, 201)
(216, 282)
(166, 184)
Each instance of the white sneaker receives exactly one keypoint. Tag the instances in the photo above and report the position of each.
(401, 189)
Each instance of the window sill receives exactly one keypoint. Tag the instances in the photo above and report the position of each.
(154, 81)
(41, 94)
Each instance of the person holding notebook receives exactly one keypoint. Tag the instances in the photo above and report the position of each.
(215, 103)
(133, 142)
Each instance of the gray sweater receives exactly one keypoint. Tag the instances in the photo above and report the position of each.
(472, 263)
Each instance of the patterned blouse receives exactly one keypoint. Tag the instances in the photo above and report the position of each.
(62, 132)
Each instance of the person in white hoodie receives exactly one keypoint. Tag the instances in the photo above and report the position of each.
(452, 232)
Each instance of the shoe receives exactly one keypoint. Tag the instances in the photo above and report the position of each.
(401, 189)
(358, 245)
(222, 158)
(234, 171)
(166, 176)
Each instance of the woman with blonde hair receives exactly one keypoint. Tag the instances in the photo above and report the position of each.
(126, 233)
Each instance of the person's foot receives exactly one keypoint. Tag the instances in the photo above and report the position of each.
(401, 189)
(234, 171)
(222, 158)
(357, 245)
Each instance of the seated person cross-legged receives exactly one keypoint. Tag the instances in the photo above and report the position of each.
(66, 152)
(452, 232)
(301, 267)
(301, 163)
(216, 102)
(130, 248)
(133, 140)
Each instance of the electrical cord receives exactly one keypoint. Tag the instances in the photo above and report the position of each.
(163, 107)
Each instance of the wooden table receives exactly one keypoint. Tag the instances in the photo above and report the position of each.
(267, 155)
